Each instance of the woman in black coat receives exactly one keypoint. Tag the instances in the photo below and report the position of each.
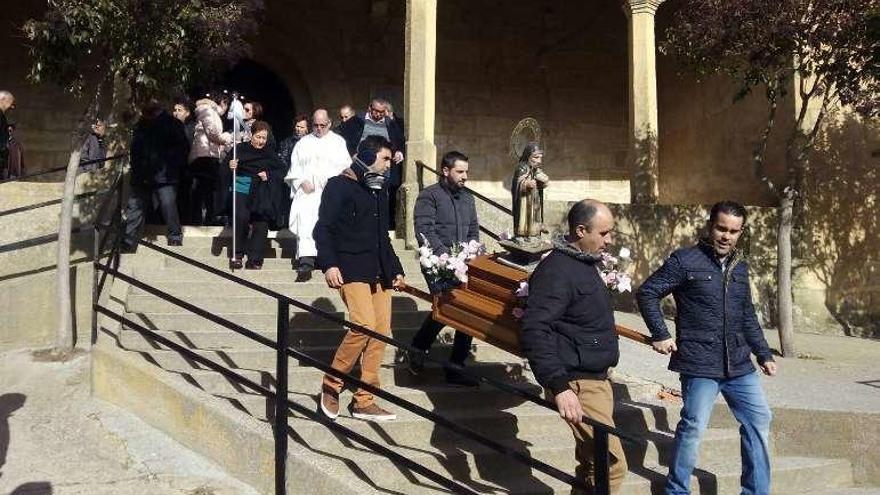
(257, 168)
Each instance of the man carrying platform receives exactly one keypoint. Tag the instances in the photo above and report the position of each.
(445, 215)
(569, 336)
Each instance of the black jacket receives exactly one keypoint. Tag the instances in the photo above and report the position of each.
(445, 217)
(716, 325)
(267, 199)
(352, 232)
(568, 328)
(285, 148)
(158, 150)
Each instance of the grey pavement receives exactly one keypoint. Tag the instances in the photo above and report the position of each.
(56, 439)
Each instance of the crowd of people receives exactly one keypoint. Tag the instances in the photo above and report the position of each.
(184, 169)
(333, 188)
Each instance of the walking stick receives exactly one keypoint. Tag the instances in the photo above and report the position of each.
(236, 113)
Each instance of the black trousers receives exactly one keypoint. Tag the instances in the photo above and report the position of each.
(143, 197)
(251, 231)
(203, 173)
(427, 334)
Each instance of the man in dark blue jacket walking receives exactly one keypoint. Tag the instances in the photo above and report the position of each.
(445, 216)
(717, 330)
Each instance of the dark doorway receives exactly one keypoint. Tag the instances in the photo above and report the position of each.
(256, 82)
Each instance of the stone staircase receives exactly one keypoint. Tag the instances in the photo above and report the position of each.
(227, 422)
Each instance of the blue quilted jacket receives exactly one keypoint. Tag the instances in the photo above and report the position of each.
(716, 326)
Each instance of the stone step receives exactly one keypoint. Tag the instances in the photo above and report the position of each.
(231, 342)
(219, 287)
(256, 321)
(263, 358)
(208, 236)
(147, 303)
(185, 273)
(407, 260)
(487, 413)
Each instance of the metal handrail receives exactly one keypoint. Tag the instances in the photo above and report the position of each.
(284, 351)
(421, 165)
(61, 169)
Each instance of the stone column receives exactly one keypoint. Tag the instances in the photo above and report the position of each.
(419, 95)
(642, 156)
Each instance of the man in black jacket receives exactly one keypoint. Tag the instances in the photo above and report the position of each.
(445, 216)
(158, 153)
(356, 256)
(569, 336)
(716, 331)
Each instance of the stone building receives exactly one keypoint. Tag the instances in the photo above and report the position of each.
(463, 73)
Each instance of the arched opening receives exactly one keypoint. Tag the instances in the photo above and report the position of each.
(256, 82)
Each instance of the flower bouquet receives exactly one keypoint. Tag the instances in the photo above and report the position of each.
(448, 270)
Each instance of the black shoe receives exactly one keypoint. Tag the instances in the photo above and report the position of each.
(127, 248)
(235, 263)
(416, 362)
(306, 264)
(253, 265)
(458, 379)
(175, 242)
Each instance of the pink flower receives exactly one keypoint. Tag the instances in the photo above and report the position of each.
(518, 313)
(523, 290)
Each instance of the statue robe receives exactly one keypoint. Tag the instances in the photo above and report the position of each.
(528, 205)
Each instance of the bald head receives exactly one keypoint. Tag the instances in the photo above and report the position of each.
(321, 122)
(590, 224)
(7, 100)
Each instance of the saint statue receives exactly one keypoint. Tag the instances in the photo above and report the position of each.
(528, 184)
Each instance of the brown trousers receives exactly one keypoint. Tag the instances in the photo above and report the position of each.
(368, 305)
(597, 400)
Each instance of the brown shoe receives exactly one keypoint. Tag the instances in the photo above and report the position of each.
(371, 413)
(329, 403)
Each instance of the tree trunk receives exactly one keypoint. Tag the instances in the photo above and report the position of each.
(783, 274)
(64, 333)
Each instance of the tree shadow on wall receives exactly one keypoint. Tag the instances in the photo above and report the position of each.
(839, 226)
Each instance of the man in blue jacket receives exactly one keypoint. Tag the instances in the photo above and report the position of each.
(717, 330)
(445, 216)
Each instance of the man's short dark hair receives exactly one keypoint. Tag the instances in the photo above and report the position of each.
(374, 143)
(582, 213)
(299, 118)
(449, 159)
(728, 208)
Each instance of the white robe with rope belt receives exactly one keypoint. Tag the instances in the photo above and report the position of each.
(315, 160)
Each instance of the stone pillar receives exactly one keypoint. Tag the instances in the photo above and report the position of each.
(419, 95)
(643, 122)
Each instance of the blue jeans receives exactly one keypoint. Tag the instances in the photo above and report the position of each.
(746, 400)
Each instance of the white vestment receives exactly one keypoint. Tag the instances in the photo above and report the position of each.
(315, 160)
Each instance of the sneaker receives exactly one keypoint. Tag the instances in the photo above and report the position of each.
(175, 242)
(415, 362)
(459, 379)
(329, 403)
(371, 413)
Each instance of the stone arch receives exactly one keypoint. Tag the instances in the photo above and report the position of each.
(257, 82)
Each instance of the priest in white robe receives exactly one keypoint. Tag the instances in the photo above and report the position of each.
(315, 158)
